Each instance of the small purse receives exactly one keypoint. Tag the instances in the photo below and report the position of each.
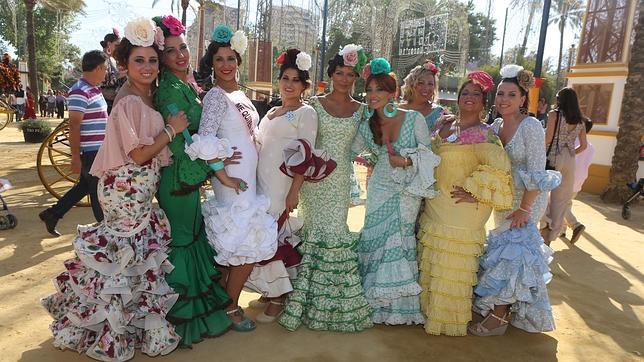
(551, 165)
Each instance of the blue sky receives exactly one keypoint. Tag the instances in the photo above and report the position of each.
(102, 15)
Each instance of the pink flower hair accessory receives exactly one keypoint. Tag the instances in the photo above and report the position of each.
(116, 32)
(173, 24)
(159, 39)
(482, 79)
(431, 67)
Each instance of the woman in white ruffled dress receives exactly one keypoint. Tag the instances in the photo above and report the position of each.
(282, 125)
(237, 223)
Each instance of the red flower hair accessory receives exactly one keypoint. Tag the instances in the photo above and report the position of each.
(431, 67)
(482, 79)
(280, 60)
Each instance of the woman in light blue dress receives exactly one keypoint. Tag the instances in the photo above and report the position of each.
(387, 245)
(514, 269)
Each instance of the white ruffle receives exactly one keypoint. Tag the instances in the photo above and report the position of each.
(271, 280)
(418, 179)
(241, 233)
(208, 147)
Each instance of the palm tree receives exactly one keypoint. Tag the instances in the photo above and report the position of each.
(184, 7)
(65, 5)
(533, 5)
(566, 12)
(627, 151)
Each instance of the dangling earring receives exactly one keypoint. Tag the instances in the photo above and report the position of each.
(237, 76)
(394, 109)
(368, 112)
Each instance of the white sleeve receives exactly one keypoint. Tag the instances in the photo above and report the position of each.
(307, 126)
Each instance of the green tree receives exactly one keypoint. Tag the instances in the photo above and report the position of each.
(30, 7)
(566, 13)
(482, 35)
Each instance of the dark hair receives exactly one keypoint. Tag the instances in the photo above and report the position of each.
(108, 39)
(588, 123)
(524, 92)
(92, 59)
(205, 64)
(389, 84)
(568, 104)
(460, 90)
(289, 63)
(124, 49)
(334, 63)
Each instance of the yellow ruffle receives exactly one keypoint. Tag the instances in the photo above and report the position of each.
(490, 186)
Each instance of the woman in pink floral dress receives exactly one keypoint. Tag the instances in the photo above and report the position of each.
(113, 297)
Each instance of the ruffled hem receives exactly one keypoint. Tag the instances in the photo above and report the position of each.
(490, 186)
(514, 270)
(328, 292)
(241, 233)
(271, 280)
(545, 180)
(394, 319)
(108, 316)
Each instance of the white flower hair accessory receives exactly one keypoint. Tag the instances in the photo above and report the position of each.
(349, 54)
(239, 42)
(159, 38)
(510, 71)
(140, 32)
(303, 61)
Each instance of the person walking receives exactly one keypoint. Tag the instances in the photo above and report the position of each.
(20, 102)
(87, 121)
(61, 103)
(51, 103)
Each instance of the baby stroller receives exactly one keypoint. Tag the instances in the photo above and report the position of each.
(7, 220)
(638, 191)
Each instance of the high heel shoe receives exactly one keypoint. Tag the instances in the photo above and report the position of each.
(479, 330)
(258, 303)
(265, 318)
(245, 325)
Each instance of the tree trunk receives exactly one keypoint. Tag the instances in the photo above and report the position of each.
(521, 55)
(562, 27)
(184, 7)
(31, 51)
(625, 159)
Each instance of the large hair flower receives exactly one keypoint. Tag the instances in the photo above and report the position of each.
(380, 66)
(428, 65)
(353, 56)
(140, 32)
(303, 61)
(510, 71)
(526, 80)
(222, 34)
(280, 60)
(116, 32)
(482, 79)
(239, 42)
(173, 24)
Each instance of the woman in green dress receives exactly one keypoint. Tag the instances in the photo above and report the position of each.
(402, 175)
(327, 294)
(199, 312)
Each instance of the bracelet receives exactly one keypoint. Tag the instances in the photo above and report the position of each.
(216, 166)
(174, 132)
(168, 133)
(524, 210)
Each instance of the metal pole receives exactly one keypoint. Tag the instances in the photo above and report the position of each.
(325, 11)
(238, 12)
(505, 23)
(542, 38)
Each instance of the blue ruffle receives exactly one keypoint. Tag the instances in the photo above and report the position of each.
(514, 270)
(545, 180)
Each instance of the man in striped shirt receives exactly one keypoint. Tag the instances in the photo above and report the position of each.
(87, 120)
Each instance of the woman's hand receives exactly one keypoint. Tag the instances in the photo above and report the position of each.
(233, 160)
(292, 199)
(461, 195)
(446, 119)
(399, 161)
(519, 218)
(178, 122)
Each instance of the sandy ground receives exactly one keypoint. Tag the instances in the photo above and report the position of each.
(597, 294)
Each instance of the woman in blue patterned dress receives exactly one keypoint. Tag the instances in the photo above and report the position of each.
(514, 269)
(387, 245)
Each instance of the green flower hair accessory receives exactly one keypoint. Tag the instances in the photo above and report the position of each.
(380, 66)
(222, 34)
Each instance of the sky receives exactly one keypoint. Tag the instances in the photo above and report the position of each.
(102, 15)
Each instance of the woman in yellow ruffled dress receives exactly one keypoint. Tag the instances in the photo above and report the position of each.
(473, 178)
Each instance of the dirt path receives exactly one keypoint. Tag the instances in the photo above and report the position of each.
(597, 294)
